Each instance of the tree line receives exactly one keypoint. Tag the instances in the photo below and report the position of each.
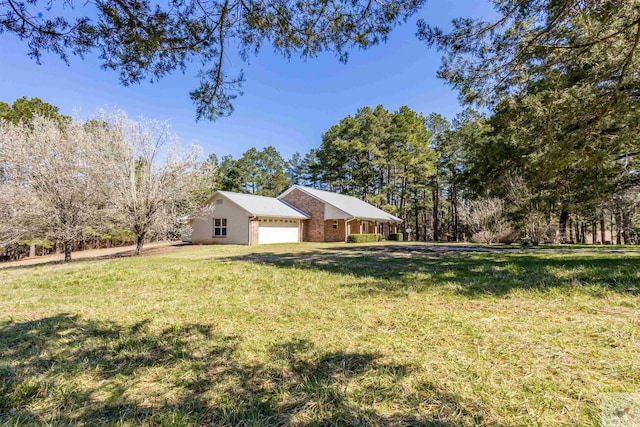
(472, 178)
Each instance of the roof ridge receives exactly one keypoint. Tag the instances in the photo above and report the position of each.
(330, 192)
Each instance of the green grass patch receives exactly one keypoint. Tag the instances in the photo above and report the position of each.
(320, 334)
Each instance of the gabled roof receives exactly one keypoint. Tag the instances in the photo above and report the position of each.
(261, 205)
(352, 206)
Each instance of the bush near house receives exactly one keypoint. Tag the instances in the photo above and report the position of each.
(395, 236)
(364, 238)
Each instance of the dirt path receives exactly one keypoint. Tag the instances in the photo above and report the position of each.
(97, 254)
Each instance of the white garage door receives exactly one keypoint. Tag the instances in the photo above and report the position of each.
(278, 231)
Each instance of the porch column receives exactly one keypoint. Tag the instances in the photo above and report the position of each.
(346, 229)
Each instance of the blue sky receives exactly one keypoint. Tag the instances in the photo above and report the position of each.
(286, 103)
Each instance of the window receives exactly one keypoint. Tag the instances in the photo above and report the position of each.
(219, 202)
(335, 224)
(220, 227)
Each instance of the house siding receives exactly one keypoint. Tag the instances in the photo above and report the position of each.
(331, 212)
(237, 224)
(314, 227)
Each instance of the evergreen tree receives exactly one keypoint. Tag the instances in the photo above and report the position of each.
(143, 40)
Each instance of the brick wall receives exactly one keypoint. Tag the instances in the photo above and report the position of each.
(334, 234)
(314, 227)
(354, 226)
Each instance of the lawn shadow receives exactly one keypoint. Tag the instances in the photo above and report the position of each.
(400, 269)
(65, 370)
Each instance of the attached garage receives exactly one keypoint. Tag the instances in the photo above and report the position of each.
(278, 231)
(246, 219)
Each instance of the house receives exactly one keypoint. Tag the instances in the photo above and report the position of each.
(332, 216)
(298, 214)
(246, 219)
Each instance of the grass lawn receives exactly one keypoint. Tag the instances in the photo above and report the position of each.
(320, 334)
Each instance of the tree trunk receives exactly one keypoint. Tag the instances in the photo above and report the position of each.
(425, 219)
(139, 243)
(454, 206)
(603, 231)
(611, 226)
(618, 228)
(67, 250)
(594, 232)
(436, 201)
(570, 230)
(564, 217)
(417, 229)
(626, 227)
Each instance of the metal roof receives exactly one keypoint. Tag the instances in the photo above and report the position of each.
(262, 205)
(350, 205)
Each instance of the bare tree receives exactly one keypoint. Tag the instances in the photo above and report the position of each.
(537, 227)
(147, 177)
(47, 187)
(485, 218)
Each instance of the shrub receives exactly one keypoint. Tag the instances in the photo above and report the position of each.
(537, 227)
(484, 237)
(364, 238)
(395, 236)
(553, 234)
(486, 219)
(525, 243)
(508, 237)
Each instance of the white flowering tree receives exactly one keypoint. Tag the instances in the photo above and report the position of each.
(147, 177)
(47, 187)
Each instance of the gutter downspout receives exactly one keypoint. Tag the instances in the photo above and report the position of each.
(251, 218)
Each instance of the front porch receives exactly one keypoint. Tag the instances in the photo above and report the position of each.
(337, 230)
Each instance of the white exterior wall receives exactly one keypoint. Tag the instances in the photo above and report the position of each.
(333, 213)
(237, 224)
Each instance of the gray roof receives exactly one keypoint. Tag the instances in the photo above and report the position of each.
(262, 206)
(350, 205)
